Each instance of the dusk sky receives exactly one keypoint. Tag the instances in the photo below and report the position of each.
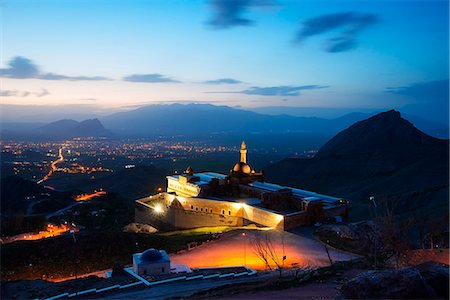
(121, 54)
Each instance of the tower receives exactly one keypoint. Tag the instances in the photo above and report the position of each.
(243, 152)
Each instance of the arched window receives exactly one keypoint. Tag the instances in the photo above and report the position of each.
(223, 211)
(201, 209)
(196, 208)
(192, 206)
(229, 212)
(211, 210)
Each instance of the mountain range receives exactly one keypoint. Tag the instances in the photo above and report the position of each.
(384, 156)
(62, 129)
(195, 120)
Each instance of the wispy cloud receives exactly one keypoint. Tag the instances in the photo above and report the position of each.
(53, 76)
(424, 91)
(229, 13)
(223, 81)
(286, 90)
(16, 93)
(350, 23)
(151, 78)
(7, 93)
(23, 68)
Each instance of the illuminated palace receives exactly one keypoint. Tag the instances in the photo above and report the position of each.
(240, 198)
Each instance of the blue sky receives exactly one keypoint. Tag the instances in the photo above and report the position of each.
(121, 54)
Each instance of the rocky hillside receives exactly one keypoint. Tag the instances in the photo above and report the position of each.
(384, 156)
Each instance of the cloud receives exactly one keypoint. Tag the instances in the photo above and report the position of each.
(12, 93)
(43, 93)
(23, 68)
(20, 67)
(280, 90)
(7, 93)
(53, 76)
(429, 100)
(349, 23)
(223, 81)
(148, 78)
(424, 91)
(228, 13)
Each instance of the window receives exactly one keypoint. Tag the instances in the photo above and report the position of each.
(229, 212)
(196, 208)
(211, 210)
(192, 206)
(145, 272)
(201, 209)
(162, 269)
(223, 211)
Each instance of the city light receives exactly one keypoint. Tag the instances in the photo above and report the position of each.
(238, 205)
(158, 208)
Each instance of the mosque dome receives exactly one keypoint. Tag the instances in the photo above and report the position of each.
(151, 255)
(242, 167)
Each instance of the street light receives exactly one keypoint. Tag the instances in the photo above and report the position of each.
(158, 208)
(245, 252)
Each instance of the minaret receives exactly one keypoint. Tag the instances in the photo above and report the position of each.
(243, 152)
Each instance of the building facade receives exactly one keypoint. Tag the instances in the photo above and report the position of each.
(240, 198)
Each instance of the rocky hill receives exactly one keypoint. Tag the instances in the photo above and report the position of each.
(384, 156)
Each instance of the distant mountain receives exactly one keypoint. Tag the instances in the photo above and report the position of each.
(201, 119)
(193, 119)
(71, 128)
(384, 156)
(432, 128)
(61, 129)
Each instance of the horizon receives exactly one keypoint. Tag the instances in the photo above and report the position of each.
(106, 57)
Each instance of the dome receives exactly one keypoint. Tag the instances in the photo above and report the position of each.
(242, 167)
(151, 255)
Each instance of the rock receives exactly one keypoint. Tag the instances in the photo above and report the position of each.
(437, 276)
(421, 282)
(139, 228)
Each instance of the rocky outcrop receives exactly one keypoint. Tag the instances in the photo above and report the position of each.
(353, 237)
(426, 281)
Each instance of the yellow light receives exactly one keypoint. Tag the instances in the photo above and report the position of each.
(158, 208)
(238, 205)
(279, 217)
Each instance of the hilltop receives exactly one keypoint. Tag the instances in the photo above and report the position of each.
(383, 156)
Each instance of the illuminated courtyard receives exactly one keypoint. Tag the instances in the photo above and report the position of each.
(236, 248)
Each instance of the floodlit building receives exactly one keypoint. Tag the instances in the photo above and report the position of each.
(151, 262)
(240, 198)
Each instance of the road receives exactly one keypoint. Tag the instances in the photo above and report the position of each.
(53, 166)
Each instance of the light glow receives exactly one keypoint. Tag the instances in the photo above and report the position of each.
(158, 208)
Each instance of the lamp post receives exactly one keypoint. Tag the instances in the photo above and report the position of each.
(375, 207)
(245, 250)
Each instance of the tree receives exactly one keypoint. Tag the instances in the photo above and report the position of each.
(394, 233)
(267, 252)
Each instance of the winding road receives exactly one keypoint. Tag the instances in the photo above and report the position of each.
(53, 167)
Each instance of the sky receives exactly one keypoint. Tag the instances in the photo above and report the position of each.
(109, 55)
